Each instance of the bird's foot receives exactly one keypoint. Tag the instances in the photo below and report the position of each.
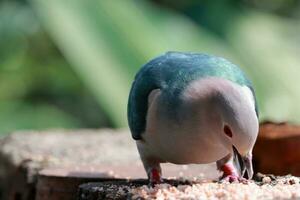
(230, 175)
(155, 177)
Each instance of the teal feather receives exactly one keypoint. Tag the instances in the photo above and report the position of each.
(171, 73)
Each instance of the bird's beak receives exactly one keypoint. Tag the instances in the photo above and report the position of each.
(244, 163)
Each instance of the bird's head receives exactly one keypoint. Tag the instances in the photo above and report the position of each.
(241, 145)
(231, 111)
(240, 130)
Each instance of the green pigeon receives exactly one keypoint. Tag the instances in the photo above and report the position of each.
(192, 108)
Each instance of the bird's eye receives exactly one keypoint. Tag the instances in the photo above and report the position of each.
(227, 131)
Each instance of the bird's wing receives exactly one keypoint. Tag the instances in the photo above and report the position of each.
(145, 82)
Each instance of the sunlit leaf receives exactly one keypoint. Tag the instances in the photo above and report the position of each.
(269, 46)
(107, 41)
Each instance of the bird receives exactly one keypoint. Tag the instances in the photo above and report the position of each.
(193, 108)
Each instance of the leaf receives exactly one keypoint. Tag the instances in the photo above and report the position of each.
(269, 46)
(107, 41)
(19, 115)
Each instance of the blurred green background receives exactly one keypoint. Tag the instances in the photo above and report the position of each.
(70, 63)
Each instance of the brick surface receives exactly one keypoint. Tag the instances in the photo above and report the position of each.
(33, 164)
(64, 155)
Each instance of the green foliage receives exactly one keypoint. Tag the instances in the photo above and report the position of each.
(38, 89)
(82, 74)
(269, 47)
(107, 41)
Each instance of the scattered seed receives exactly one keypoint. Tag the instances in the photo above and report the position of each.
(266, 179)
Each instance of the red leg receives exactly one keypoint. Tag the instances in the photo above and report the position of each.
(151, 164)
(155, 176)
(230, 173)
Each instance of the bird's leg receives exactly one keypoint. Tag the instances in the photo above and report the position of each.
(153, 170)
(151, 164)
(154, 175)
(230, 172)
